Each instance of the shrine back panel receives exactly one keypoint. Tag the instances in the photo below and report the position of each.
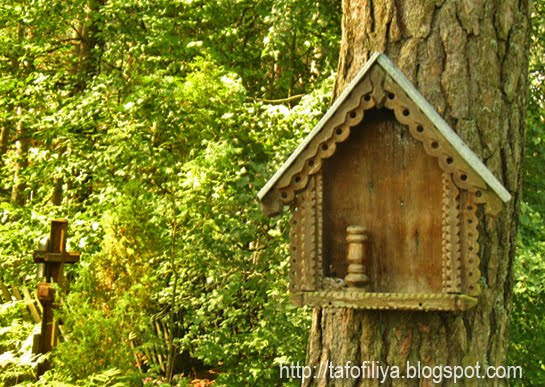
(381, 179)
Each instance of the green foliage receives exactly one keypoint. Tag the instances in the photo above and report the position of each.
(16, 359)
(149, 118)
(99, 339)
(527, 327)
(111, 377)
(16, 243)
(277, 46)
(534, 175)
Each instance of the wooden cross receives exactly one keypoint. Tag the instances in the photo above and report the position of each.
(54, 257)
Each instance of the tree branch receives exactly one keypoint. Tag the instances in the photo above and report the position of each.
(281, 100)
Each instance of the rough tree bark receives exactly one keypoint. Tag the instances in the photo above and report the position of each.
(469, 59)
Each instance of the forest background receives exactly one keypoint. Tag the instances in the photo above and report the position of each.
(150, 126)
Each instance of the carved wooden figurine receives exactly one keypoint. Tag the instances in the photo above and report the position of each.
(357, 272)
(383, 158)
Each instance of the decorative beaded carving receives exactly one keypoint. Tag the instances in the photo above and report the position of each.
(295, 242)
(452, 275)
(470, 245)
(318, 259)
(306, 239)
(384, 301)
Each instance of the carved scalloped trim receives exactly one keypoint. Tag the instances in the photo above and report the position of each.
(450, 162)
(452, 265)
(385, 301)
(382, 91)
(470, 246)
(324, 144)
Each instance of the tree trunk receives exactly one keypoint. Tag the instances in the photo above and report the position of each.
(90, 45)
(87, 54)
(469, 59)
(21, 163)
(4, 140)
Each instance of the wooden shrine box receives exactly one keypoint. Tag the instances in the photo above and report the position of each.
(385, 200)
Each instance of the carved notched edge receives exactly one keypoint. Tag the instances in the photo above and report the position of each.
(306, 271)
(470, 246)
(385, 301)
(321, 147)
(451, 258)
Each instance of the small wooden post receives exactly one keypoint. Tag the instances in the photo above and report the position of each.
(357, 272)
(54, 259)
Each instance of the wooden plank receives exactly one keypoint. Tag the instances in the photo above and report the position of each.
(5, 292)
(36, 339)
(58, 333)
(157, 358)
(31, 305)
(159, 330)
(305, 254)
(137, 355)
(38, 303)
(63, 257)
(61, 333)
(385, 301)
(19, 297)
(57, 236)
(463, 150)
(16, 293)
(54, 333)
(381, 180)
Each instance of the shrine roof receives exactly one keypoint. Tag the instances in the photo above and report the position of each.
(448, 134)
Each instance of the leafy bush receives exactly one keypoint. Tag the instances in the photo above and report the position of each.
(527, 328)
(188, 245)
(16, 359)
(527, 325)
